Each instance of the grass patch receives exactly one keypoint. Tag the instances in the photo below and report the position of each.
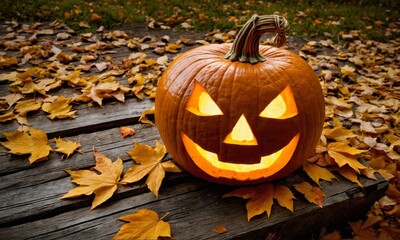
(325, 19)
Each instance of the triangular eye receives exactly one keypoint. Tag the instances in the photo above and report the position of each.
(200, 102)
(282, 107)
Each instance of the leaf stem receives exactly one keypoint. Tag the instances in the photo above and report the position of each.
(165, 215)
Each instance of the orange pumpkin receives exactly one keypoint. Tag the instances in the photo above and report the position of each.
(240, 113)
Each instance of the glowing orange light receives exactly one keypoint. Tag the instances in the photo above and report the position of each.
(201, 103)
(283, 106)
(241, 133)
(209, 161)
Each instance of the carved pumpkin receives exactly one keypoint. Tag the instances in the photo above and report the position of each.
(240, 113)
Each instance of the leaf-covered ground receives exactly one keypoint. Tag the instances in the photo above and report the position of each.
(50, 68)
(324, 19)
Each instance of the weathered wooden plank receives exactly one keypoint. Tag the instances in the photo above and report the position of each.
(196, 207)
(88, 120)
(25, 189)
(18, 173)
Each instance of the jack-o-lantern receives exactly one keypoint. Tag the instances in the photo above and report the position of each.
(240, 113)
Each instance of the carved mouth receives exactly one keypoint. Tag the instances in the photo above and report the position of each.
(208, 161)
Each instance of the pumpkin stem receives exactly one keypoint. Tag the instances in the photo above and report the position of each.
(245, 46)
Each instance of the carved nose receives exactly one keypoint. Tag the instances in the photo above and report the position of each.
(241, 133)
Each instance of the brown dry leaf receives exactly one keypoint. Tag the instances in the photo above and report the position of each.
(143, 224)
(149, 163)
(393, 192)
(344, 154)
(103, 180)
(335, 235)
(220, 229)
(34, 143)
(262, 198)
(60, 108)
(313, 194)
(8, 76)
(107, 88)
(95, 17)
(362, 233)
(126, 131)
(316, 173)
(11, 99)
(143, 117)
(66, 147)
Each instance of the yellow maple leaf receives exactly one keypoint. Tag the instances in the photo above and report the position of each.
(60, 108)
(344, 154)
(102, 180)
(312, 193)
(348, 71)
(349, 173)
(262, 198)
(74, 80)
(34, 143)
(338, 132)
(316, 173)
(67, 147)
(143, 224)
(23, 107)
(149, 163)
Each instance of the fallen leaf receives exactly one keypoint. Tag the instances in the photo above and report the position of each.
(8, 76)
(172, 48)
(316, 173)
(360, 233)
(60, 108)
(11, 99)
(7, 116)
(349, 173)
(102, 180)
(66, 147)
(143, 224)
(335, 235)
(143, 117)
(95, 17)
(34, 143)
(23, 107)
(262, 198)
(220, 229)
(313, 194)
(348, 71)
(149, 163)
(344, 154)
(126, 131)
(6, 62)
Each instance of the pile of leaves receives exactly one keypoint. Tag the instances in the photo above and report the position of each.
(50, 68)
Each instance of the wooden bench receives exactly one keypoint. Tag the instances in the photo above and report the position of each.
(30, 205)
